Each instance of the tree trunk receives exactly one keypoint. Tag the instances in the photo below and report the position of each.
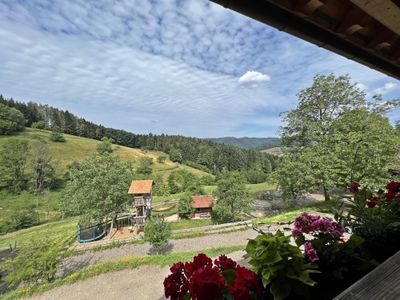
(326, 194)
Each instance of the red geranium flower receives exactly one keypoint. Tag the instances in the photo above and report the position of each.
(225, 263)
(206, 284)
(176, 285)
(245, 282)
(393, 187)
(372, 202)
(355, 187)
(390, 195)
(199, 261)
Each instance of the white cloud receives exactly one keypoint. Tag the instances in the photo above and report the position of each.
(386, 88)
(253, 78)
(159, 66)
(361, 86)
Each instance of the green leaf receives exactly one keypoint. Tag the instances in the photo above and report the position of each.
(280, 289)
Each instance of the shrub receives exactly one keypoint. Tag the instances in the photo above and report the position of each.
(57, 136)
(162, 158)
(39, 125)
(36, 261)
(157, 232)
(105, 146)
(11, 120)
(22, 219)
(144, 165)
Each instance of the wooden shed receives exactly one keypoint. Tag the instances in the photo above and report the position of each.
(141, 190)
(202, 206)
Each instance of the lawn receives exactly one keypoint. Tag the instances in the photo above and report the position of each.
(253, 189)
(290, 215)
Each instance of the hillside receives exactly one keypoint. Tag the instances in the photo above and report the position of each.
(277, 151)
(79, 148)
(248, 142)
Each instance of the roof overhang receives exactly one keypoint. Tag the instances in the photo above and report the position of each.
(367, 31)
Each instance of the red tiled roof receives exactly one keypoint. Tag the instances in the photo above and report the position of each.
(202, 201)
(141, 187)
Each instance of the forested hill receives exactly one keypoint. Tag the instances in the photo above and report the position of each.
(198, 153)
(249, 142)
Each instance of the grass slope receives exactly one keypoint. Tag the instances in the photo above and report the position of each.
(78, 149)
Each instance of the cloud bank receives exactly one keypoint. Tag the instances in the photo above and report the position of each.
(175, 67)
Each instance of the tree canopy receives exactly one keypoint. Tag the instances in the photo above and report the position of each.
(332, 137)
(11, 120)
(232, 198)
(97, 189)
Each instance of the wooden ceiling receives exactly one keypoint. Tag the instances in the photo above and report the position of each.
(367, 31)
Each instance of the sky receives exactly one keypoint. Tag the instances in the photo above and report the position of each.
(188, 67)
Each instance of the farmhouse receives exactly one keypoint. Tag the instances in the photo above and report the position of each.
(202, 206)
(141, 190)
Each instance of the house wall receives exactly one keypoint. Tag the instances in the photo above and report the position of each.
(202, 213)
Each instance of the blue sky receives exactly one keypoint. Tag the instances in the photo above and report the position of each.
(179, 67)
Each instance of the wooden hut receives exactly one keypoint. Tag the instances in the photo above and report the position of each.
(202, 206)
(141, 190)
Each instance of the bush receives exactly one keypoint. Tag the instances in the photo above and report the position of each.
(162, 158)
(144, 165)
(105, 146)
(11, 120)
(22, 219)
(36, 261)
(157, 232)
(39, 125)
(57, 136)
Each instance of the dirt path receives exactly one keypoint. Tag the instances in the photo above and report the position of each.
(143, 283)
(183, 245)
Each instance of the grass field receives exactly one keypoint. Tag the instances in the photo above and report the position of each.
(253, 189)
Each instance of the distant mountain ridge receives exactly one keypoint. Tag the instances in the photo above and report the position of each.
(249, 142)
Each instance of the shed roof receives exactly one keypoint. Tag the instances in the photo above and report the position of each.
(202, 202)
(141, 187)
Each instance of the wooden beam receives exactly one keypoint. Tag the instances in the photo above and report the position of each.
(384, 11)
(307, 7)
(352, 22)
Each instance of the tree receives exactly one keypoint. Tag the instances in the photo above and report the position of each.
(42, 170)
(175, 155)
(97, 190)
(310, 125)
(11, 120)
(366, 143)
(173, 187)
(232, 198)
(13, 159)
(185, 208)
(105, 146)
(144, 165)
(294, 176)
(56, 135)
(157, 232)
